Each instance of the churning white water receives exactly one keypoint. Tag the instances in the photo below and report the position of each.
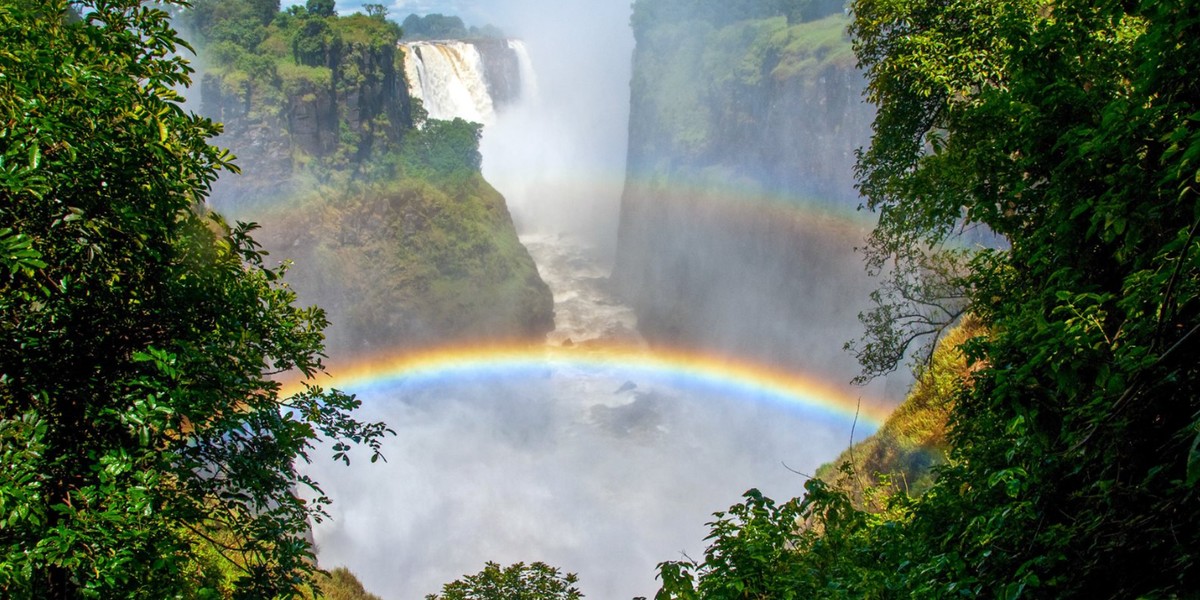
(448, 78)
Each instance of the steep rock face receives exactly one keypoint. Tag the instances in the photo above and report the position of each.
(502, 70)
(737, 229)
(414, 262)
(392, 228)
(755, 102)
(341, 112)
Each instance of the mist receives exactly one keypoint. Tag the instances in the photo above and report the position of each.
(604, 473)
(559, 155)
(561, 469)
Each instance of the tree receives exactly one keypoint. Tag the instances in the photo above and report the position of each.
(316, 44)
(141, 432)
(535, 581)
(238, 21)
(376, 11)
(443, 148)
(1068, 129)
(433, 26)
(922, 293)
(321, 8)
(265, 10)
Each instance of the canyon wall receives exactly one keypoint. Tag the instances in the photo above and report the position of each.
(738, 221)
(383, 209)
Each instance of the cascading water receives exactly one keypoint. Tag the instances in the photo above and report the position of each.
(448, 78)
(524, 69)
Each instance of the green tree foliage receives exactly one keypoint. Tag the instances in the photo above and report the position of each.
(443, 149)
(376, 11)
(316, 44)
(1070, 129)
(144, 446)
(535, 581)
(818, 547)
(242, 22)
(265, 10)
(321, 8)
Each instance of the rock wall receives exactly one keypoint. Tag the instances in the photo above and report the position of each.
(412, 263)
(392, 229)
(341, 112)
(738, 228)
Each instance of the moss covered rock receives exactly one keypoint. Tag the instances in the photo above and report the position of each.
(412, 263)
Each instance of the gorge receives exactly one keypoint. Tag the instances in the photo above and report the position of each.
(708, 363)
(592, 343)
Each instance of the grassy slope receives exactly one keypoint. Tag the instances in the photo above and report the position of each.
(902, 453)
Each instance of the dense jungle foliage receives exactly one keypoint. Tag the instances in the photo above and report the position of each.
(139, 430)
(1070, 129)
(145, 451)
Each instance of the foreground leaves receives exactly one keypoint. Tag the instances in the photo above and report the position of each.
(146, 452)
(1069, 131)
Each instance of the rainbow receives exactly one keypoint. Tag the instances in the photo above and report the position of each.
(736, 199)
(680, 369)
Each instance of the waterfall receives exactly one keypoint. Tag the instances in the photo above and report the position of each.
(448, 78)
(469, 80)
(529, 89)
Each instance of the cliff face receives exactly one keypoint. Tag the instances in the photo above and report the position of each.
(391, 227)
(341, 112)
(412, 263)
(757, 102)
(737, 229)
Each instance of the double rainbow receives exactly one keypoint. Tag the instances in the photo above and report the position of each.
(676, 368)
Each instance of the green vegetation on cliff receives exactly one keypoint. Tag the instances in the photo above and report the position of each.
(300, 88)
(708, 83)
(341, 584)
(408, 261)
(385, 212)
(742, 131)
